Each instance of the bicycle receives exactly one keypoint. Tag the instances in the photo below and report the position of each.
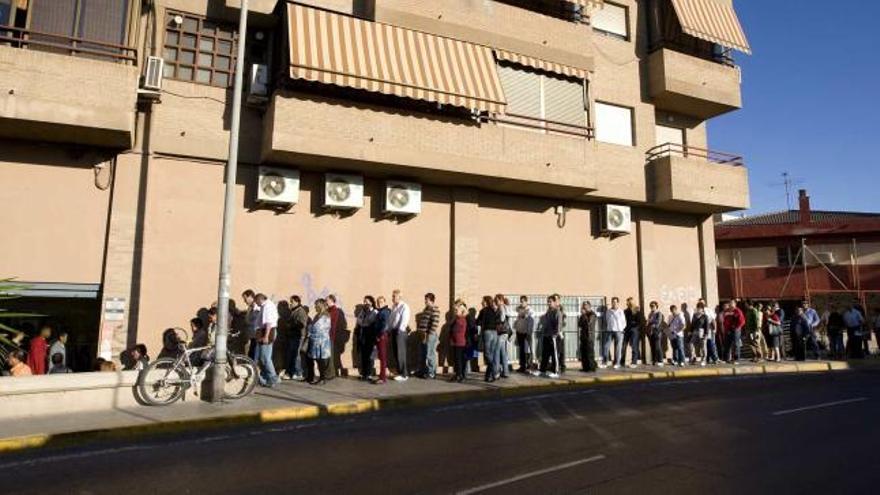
(166, 380)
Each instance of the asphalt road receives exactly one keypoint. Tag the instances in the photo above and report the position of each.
(780, 435)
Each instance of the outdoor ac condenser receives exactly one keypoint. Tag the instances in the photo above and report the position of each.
(153, 75)
(403, 198)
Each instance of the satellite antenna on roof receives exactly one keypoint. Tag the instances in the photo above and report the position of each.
(789, 182)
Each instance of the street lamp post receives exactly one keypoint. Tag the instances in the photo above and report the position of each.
(218, 372)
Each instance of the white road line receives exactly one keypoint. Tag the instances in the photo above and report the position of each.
(820, 406)
(542, 413)
(532, 474)
(571, 411)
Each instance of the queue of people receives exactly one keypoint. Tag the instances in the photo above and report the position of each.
(606, 335)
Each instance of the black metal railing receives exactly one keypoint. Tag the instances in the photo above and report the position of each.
(668, 149)
(541, 124)
(69, 45)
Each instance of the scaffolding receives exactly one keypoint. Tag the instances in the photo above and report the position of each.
(855, 291)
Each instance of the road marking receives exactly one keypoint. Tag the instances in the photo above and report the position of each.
(820, 406)
(571, 411)
(542, 413)
(532, 474)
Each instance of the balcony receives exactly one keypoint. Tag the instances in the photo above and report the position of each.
(64, 89)
(692, 85)
(495, 24)
(696, 180)
(525, 157)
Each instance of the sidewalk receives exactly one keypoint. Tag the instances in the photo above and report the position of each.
(291, 401)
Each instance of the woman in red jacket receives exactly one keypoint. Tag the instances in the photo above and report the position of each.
(458, 340)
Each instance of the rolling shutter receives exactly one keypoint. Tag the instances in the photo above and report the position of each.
(564, 101)
(614, 124)
(522, 90)
(611, 19)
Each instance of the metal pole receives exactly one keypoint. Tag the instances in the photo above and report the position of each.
(218, 373)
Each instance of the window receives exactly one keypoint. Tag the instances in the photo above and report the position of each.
(5, 13)
(544, 100)
(102, 22)
(611, 20)
(667, 134)
(199, 50)
(614, 124)
(784, 257)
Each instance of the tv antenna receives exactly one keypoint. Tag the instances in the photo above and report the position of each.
(789, 183)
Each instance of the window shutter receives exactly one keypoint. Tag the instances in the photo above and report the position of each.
(53, 17)
(666, 134)
(614, 124)
(522, 90)
(564, 101)
(610, 19)
(103, 20)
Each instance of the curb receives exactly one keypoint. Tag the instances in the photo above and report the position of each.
(301, 413)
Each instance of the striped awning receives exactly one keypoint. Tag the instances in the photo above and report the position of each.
(712, 20)
(544, 65)
(345, 51)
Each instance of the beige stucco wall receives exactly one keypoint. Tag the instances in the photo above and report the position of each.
(670, 257)
(300, 252)
(54, 217)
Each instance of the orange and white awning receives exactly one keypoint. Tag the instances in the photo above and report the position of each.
(544, 65)
(346, 51)
(712, 20)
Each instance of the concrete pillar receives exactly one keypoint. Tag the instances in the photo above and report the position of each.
(708, 266)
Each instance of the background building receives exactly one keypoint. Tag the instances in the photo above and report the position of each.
(554, 146)
(822, 256)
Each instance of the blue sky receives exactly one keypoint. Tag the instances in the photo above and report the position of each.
(811, 103)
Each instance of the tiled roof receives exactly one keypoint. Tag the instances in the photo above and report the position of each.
(793, 216)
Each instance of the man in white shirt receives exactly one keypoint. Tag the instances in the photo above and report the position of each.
(265, 337)
(615, 322)
(397, 325)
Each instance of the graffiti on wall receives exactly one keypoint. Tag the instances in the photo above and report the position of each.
(679, 294)
(312, 294)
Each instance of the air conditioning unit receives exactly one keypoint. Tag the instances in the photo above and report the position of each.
(343, 192)
(258, 84)
(616, 219)
(154, 73)
(825, 257)
(403, 198)
(278, 186)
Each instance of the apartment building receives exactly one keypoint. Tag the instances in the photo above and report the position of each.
(461, 147)
(822, 256)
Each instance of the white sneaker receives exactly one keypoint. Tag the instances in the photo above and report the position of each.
(400, 378)
(602, 366)
(633, 366)
(702, 363)
(552, 375)
(616, 366)
(660, 364)
(284, 376)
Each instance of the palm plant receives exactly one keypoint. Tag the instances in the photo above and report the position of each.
(10, 338)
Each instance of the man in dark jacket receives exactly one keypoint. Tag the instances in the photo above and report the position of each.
(552, 323)
(588, 323)
(800, 330)
(296, 327)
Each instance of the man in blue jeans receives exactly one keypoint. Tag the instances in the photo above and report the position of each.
(615, 321)
(265, 339)
(733, 321)
(299, 318)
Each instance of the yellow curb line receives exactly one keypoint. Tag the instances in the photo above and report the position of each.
(361, 406)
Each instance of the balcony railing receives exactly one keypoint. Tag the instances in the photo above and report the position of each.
(668, 149)
(551, 126)
(59, 43)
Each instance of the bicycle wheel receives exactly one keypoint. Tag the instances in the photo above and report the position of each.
(241, 376)
(163, 381)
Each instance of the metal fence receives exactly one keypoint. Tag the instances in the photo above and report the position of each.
(571, 306)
